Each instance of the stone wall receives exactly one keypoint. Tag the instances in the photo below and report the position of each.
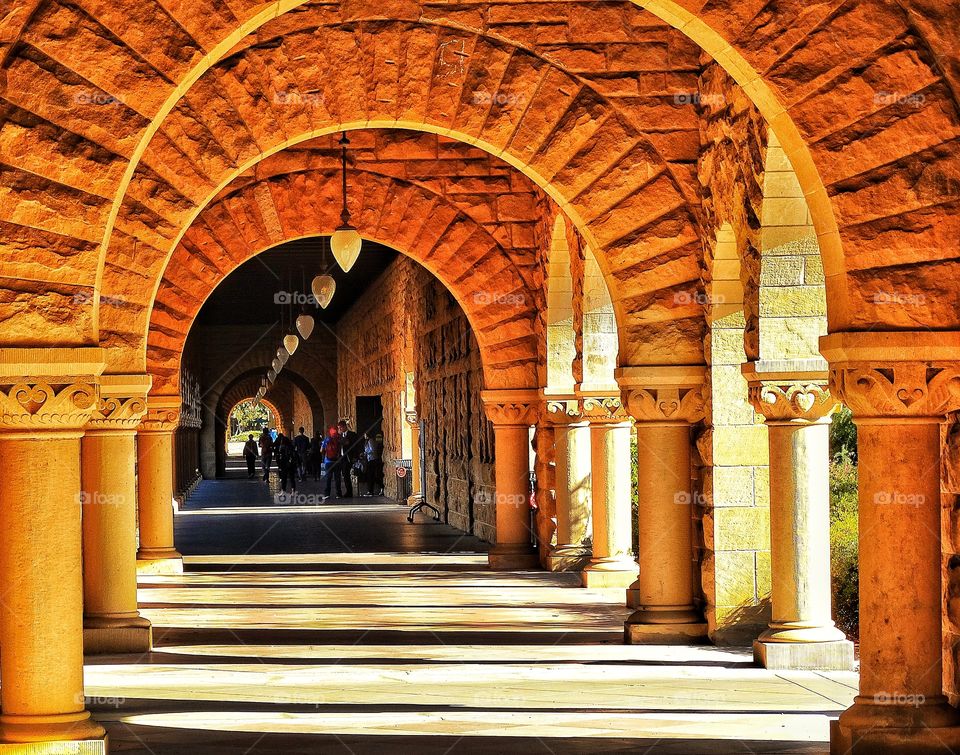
(408, 323)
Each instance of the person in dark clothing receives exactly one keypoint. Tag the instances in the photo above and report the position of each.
(315, 465)
(352, 449)
(302, 445)
(288, 462)
(266, 452)
(332, 455)
(373, 451)
(250, 454)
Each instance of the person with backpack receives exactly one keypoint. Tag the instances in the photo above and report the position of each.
(332, 455)
(250, 454)
(352, 448)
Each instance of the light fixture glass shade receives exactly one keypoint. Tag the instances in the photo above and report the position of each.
(290, 343)
(281, 351)
(305, 326)
(323, 287)
(276, 364)
(271, 375)
(284, 356)
(345, 245)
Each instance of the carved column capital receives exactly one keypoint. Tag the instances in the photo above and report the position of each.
(162, 415)
(121, 404)
(784, 395)
(908, 376)
(562, 410)
(604, 409)
(519, 407)
(411, 418)
(50, 389)
(663, 395)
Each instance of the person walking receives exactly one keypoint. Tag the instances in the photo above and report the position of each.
(250, 454)
(373, 453)
(315, 466)
(266, 452)
(302, 445)
(288, 463)
(332, 455)
(352, 449)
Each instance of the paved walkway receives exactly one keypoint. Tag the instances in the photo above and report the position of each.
(341, 628)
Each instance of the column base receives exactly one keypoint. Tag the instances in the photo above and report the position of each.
(75, 733)
(568, 558)
(804, 656)
(633, 593)
(159, 561)
(104, 635)
(609, 574)
(868, 727)
(670, 626)
(513, 558)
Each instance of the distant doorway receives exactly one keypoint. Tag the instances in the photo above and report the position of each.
(369, 415)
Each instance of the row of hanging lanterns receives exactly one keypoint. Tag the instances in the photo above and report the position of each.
(345, 245)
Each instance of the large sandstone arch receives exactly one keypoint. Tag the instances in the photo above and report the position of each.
(438, 234)
(886, 167)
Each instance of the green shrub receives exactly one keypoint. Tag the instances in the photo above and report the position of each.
(844, 543)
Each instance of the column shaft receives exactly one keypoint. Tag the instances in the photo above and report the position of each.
(416, 485)
(573, 496)
(112, 623)
(41, 624)
(612, 563)
(513, 549)
(155, 488)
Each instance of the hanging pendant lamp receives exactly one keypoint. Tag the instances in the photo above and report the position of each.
(345, 242)
(290, 343)
(271, 375)
(305, 326)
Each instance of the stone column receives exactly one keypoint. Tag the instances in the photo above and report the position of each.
(797, 408)
(512, 412)
(899, 387)
(571, 432)
(416, 484)
(41, 622)
(157, 554)
(612, 563)
(665, 402)
(111, 622)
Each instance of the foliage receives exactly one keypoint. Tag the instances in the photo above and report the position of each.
(844, 543)
(250, 417)
(843, 435)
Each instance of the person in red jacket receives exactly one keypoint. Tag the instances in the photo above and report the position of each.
(332, 456)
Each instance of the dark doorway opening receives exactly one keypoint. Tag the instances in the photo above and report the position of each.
(369, 415)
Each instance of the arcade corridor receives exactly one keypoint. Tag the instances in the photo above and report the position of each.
(390, 637)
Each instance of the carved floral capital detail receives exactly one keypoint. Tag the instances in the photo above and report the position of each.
(782, 401)
(898, 389)
(604, 408)
(160, 419)
(42, 406)
(119, 412)
(665, 404)
(512, 413)
(563, 411)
